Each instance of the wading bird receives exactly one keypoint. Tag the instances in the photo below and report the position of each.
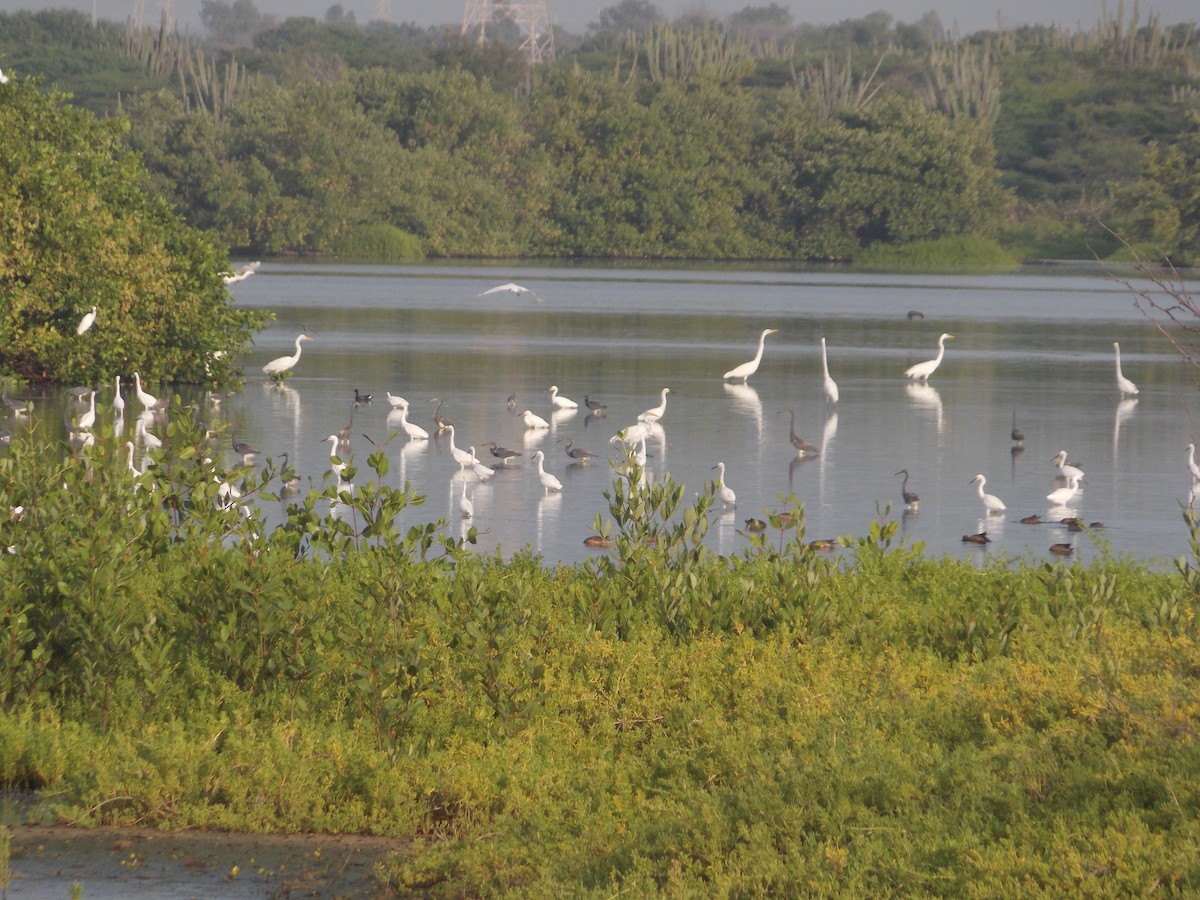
(438, 419)
(922, 371)
(991, 503)
(654, 413)
(504, 454)
(549, 482)
(724, 492)
(831, 388)
(803, 447)
(745, 370)
(578, 453)
(86, 322)
(533, 421)
(1124, 385)
(1073, 474)
(558, 402)
(278, 369)
(911, 500)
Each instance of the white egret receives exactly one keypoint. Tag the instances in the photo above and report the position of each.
(86, 322)
(631, 435)
(3, 77)
(549, 482)
(561, 402)
(148, 401)
(922, 371)
(991, 503)
(415, 432)
(654, 413)
(578, 453)
(462, 457)
(335, 462)
(533, 421)
(465, 506)
(1072, 474)
(504, 454)
(911, 500)
(746, 369)
(133, 470)
(227, 494)
(278, 369)
(1062, 495)
(88, 419)
(241, 274)
(438, 419)
(118, 400)
(724, 492)
(1191, 461)
(150, 440)
(1124, 385)
(396, 402)
(831, 388)
(482, 472)
(511, 288)
(803, 447)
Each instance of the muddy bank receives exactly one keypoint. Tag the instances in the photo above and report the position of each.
(125, 863)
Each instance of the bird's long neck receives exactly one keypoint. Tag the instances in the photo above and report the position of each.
(981, 493)
(792, 427)
(762, 342)
(824, 358)
(1118, 350)
(941, 348)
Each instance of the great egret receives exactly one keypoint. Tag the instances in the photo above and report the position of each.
(438, 419)
(118, 400)
(831, 388)
(1124, 385)
(511, 288)
(148, 401)
(549, 482)
(911, 500)
(241, 274)
(654, 413)
(1063, 495)
(504, 454)
(746, 369)
(278, 369)
(335, 462)
(396, 402)
(1072, 474)
(482, 472)
(1192, 467)
(88, 419)
(462, 457)
(561, 402)
(578, 453)
(724, 492)
(631, 435)
(86, 322)
(991, 503)
(150, 440)
(533, 421)
(922, 371)
(803, 447)
(465, 506)
(415, 432)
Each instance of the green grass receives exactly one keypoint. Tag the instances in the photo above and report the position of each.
(952, 253)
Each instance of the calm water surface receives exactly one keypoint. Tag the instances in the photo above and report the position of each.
(1037, 344)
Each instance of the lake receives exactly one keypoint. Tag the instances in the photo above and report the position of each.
(1036, 345)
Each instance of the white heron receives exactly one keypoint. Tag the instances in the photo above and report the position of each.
(1191, 461)
(227, 494)
(118, 400)
(88, 419)
(991, 503)
(150, 440)
(462, 457)
(415, 432)
(911, 500)
(465, 506)
(241, 274)
(133, 470)
(549, 482)
(3, 77)
(396, 402)
(1124, 385)
(746, 369)
(631, 435)
(279, 368)
(654, 413)
(86, 322)
(148, 400)
(335, 461)
(482, 472)
(1073, 474)
(831, 388)
(1061, 496)
(922, 371)
(511, 288)
(561, 402)
(533, 421)
(724, 492)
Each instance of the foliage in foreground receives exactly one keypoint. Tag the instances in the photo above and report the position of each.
(77, 231)
(661, 720)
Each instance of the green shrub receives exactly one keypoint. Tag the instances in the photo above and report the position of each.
(380, 242)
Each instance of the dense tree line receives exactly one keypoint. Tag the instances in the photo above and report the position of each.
(751, 138)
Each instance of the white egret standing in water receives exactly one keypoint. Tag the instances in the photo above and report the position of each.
(549, 482)
(279, 368)
(991, 503)
(1124, 385)
(746, 369)
(724, 492)
(831, 388)
(922, 371)
(561, 402)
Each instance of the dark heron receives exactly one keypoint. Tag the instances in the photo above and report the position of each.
(241, 448)
(803, 447)
(911, 500)
(915, 314)
(347, 431)
(594, 405)
(504, 454)
(578, 453)
(1018, 436)
(441, 421)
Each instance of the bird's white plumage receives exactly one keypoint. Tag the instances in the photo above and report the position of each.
(465, 506)
(88, 419)
(1062, 495)
(148, 400)
(561, 402)
(746, 369)
(460, 456)
(276, 368)
(1124, 385)
(415, 432)
(831, 388)
(1073, 474)
(654, 413)
(533, 420)
(724, 492)
(335, 462)
(1191, 461)
(511, 288)
(549, 482)
(86, 322)
(921, 371)
(991, 503)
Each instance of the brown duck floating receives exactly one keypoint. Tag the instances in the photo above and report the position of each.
(980, 538)
(1062, 549)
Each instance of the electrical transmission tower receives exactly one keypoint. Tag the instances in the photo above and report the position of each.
(532, 18)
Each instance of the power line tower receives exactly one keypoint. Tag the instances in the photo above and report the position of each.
(532, 18)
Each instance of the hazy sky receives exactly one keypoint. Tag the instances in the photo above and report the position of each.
(575, 15)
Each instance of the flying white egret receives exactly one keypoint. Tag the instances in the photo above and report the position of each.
(482, 472)
(1124, 385)
(922, 371)
(831, 388)
(533, 421)
(561, 402)
(656, 412)
(460, 456)
(911, 500)
(86, 322)
(88, 419)
(279, 368)
(1192, 467)
(746, 369)
(724, 492)
(991, 503)
(241, 274)
(549, 482)
(511, 288)
(1072, 474)
(335, 462)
